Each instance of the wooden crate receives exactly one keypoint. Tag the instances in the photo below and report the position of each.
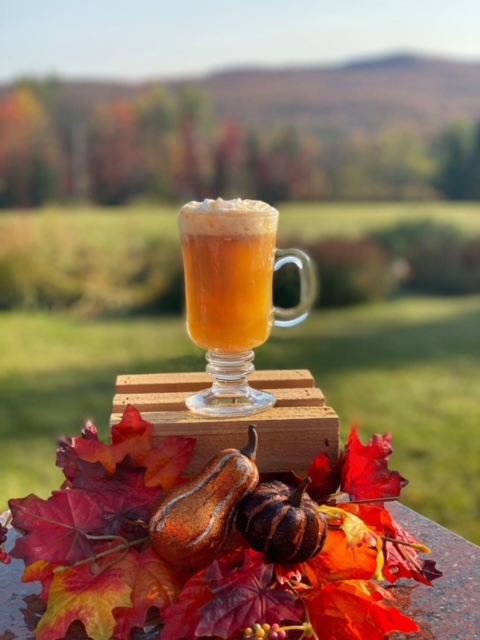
(290, 434)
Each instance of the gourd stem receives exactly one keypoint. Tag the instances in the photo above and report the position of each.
(296, 497)
(251, 449)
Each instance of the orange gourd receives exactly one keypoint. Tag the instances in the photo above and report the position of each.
(191, 523)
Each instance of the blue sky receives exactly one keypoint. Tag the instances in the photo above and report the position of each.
(159, 39)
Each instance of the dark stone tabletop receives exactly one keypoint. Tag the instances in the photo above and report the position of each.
(450, 610)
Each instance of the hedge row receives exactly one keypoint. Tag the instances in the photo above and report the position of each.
(89, 280)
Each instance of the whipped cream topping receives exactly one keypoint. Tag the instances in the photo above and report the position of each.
(237, 204)
(229, 218)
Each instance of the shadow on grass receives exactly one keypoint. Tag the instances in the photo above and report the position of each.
(60, 403)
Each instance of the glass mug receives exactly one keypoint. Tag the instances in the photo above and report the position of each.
(229, 255)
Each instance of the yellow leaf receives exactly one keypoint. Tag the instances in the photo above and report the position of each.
(77, 594)
(355, 529)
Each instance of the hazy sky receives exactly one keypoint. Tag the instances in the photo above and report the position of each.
(158, 38)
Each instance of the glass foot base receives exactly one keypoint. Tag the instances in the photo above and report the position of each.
(230, 404)
(230, 395)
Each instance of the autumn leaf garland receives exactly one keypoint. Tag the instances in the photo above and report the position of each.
(88, 547)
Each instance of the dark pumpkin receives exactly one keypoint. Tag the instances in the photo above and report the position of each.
(283, 522)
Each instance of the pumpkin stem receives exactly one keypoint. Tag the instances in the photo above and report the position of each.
(295, 497)
(251, 449)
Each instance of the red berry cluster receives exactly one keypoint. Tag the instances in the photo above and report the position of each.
(4, 557)
(266, 631)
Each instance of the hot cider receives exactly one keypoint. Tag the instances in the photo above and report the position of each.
(229, 253)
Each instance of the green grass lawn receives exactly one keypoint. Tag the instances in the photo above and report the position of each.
(409, 366)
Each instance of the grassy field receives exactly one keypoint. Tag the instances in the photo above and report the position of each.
(408, 366)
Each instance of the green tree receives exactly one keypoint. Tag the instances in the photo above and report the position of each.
(393, 165)
(157, 121)
(454, 175)
(193, 157)
(473, 169)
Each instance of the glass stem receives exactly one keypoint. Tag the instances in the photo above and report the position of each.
(230, 371)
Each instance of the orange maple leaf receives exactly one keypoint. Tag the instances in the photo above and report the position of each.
(165, 463)
(41, 571)
(109, 455)
(340, 560)
(77, 594)
(154, 583)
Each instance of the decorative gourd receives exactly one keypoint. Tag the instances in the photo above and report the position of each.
(283, 522)
(191, 523)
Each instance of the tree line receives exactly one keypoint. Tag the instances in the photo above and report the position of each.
(167, 145)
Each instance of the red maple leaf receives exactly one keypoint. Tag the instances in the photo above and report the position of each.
(365, 472)
(56, 530)
(122, 495)
(132, 425)
(355, 610)
(325, 479)
(401, 560)
(67, 455)
(243, 596)
(182, 618)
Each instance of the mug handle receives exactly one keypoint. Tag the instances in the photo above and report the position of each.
(308, 287)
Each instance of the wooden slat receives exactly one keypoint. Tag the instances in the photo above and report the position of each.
(175, 401)
(171, 382)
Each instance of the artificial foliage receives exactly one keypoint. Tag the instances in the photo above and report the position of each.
(88, 546)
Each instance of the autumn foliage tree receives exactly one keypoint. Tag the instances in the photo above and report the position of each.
(116, 172)
(29, 158)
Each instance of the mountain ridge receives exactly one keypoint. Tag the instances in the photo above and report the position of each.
(398, 89)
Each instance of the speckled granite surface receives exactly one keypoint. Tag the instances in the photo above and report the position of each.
(450, 610)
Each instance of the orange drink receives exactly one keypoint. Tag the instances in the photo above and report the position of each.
(229, 255)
